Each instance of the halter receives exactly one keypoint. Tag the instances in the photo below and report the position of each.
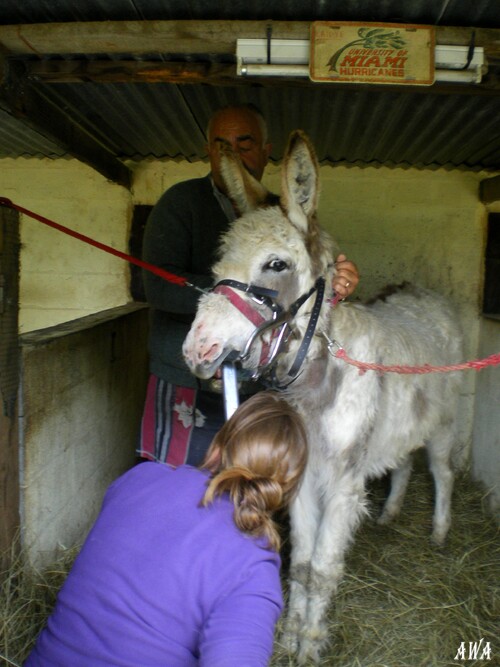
(260, 295)
(279, 324)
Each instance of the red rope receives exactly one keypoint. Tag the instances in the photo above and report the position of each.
(171, 277)
(492, 360)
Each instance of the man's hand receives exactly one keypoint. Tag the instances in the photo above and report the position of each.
(346, 278)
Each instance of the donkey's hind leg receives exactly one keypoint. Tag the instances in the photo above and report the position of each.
(399, 483)
(439, 453)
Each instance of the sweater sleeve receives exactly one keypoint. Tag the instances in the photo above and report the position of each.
(168, 243)
(240, 629)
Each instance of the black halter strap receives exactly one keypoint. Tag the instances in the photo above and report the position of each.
(262, 294)
(270, 379)
(319, 287)
(281, 319)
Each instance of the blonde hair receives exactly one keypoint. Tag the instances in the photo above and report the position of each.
(258, 458)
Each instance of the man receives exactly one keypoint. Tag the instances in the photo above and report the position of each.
(181, 413)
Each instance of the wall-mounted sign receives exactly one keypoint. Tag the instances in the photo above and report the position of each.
(388, 53)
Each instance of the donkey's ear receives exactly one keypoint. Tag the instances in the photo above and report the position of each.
(244, 190)
(299, 178)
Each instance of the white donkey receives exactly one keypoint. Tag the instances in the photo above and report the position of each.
(272, 264)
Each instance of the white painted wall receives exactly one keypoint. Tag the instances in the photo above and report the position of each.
(62, 278)
(486, 431)
(153, 177)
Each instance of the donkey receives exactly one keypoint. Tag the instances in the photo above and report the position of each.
(268, 311)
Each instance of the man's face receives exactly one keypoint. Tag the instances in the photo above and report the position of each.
(241, 130)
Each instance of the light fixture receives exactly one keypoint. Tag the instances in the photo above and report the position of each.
(290, 57)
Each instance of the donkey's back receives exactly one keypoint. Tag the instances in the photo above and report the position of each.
(415, 332)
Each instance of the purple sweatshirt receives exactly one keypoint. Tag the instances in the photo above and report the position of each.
(163, 582)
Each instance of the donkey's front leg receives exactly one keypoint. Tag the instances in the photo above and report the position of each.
(304, 519)
(342, 513)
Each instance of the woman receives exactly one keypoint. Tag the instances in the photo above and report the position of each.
(181, 567)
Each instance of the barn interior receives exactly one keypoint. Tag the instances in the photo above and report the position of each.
(104, 104)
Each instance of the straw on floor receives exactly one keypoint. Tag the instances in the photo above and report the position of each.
(406, 603)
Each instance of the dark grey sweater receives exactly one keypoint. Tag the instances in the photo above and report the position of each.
(181, 236)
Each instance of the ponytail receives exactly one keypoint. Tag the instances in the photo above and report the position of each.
(258, 458)
(255, 499)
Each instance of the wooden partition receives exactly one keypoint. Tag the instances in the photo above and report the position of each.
(9, 378)
(81, 398)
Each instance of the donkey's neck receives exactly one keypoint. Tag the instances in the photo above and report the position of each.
(306, 350)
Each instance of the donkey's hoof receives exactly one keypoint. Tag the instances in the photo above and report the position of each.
(440, 531)
(388, 514)
(385, 519)
(309, 652)
(438, 538)
(290, 637)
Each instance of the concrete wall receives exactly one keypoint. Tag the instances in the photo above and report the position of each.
(81, 398)
(486, 432)
(62, 278)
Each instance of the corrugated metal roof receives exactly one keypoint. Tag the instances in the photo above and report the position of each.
(138, 121)
(479, 13)
(350, 126)
(18, 140)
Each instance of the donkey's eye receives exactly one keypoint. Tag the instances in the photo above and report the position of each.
(276, 265)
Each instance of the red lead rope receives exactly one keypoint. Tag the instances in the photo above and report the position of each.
(493, 360)
(477, 365)
(171, 277)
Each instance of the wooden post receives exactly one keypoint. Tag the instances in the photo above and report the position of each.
(9, 381)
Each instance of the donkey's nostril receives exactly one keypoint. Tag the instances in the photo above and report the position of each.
(212, 353)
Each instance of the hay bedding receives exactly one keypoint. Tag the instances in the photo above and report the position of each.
(407, 603)
(403, 602)
(26, 600)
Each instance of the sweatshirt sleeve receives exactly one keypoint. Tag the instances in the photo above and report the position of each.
(240, 630)
(167, 243)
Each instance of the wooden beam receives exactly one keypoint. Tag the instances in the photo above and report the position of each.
(27, 102)
(182, 37)
(38, 112)
(489, 190)
(130, 71)
(140, 37)
(217, 74)
(488, 38)
(205, 39)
